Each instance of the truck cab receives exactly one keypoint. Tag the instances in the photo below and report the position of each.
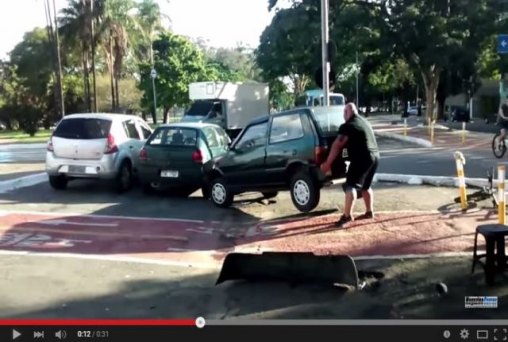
(315, 98)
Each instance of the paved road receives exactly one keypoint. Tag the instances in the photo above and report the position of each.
(396, 157)
(435, 161)
(21, 153)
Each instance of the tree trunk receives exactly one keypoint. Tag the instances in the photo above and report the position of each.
(441, 95)
(166, 112)
(85, 76)
(87, 82)
(113, 101)
(143, 115)
(117, 95)
(431, 81)
(109, 62)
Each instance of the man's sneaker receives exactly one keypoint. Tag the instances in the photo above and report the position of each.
(366, 216)
(343, 220)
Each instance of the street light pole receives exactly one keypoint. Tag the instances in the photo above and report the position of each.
(324, 52)
(357, 73)
(153, 74)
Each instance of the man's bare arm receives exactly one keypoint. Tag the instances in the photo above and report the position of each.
(337, 147)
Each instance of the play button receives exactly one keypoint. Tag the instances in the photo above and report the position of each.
(15, 334)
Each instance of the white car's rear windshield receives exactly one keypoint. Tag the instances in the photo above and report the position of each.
(83, 129)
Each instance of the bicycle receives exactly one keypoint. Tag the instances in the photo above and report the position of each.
(485, 193)
(498, 147)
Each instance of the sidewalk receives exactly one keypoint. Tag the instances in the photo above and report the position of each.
(16, 175)
(444, 137)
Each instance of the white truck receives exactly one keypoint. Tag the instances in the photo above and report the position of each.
(229, 105)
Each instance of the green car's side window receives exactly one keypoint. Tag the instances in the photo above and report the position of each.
(287, 127)
(254, 136)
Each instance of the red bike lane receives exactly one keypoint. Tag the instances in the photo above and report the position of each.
(201, 243)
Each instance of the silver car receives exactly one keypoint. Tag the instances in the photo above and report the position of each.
(100, 146)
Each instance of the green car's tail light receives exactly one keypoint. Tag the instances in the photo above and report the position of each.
(197, 157)
(319, 155)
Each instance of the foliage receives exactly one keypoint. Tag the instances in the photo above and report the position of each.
(178, 62)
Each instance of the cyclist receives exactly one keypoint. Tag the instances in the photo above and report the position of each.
(502, 120)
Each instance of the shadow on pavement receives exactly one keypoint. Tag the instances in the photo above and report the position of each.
(407, 292)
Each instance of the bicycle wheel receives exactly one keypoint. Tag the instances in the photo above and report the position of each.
(498, 147)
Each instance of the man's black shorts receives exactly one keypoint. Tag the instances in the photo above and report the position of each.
(502, 123)
(361, 174)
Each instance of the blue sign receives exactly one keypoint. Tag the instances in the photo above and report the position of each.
(502, 43)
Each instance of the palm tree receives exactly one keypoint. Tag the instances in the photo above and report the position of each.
(76, 26)
(115, 30)
(149, 18)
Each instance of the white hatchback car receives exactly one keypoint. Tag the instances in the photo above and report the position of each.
(100, 146)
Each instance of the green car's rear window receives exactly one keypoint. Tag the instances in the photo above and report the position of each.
(174, 136)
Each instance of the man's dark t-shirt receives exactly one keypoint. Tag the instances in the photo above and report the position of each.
(361, 144)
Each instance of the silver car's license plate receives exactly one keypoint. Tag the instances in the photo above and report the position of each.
(169, 174)
(77, 169)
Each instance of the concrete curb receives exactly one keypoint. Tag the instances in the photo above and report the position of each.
(22, 182)
(451, 182)
(400, 137)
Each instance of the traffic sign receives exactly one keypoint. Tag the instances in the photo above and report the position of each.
(153, 73)
(502, 43)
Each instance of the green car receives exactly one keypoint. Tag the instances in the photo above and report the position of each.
(278, 152)
(173, 156)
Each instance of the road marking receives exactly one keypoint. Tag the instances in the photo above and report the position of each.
(36, 240)
(201, 230)
(209, 266)
(43, 213)
(94, 233)
(60, 222)
(183, 250)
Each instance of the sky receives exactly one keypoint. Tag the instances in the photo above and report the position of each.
(222, 23)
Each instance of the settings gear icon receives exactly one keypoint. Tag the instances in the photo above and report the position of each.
(464, 334)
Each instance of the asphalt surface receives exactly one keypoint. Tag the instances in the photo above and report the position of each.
(22, 153)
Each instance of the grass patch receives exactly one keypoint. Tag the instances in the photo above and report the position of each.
(22, 137)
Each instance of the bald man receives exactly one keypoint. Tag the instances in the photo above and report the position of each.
(358, 137)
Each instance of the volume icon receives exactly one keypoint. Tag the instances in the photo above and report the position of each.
(38, 334)
(61, 334)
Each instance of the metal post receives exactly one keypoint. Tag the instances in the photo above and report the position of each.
(357, 73)
(459, 163)
(501, 170)
(324, 46)
(154, 98)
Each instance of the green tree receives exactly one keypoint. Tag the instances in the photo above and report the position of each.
(289, 46)
(239, 60)
(178, 62)
(431, 35)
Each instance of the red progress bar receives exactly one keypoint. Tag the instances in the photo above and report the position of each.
(98, 322)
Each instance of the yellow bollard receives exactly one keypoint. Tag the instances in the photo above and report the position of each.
(460, 161)
(405, 127)
(463, 132)
(501, 211)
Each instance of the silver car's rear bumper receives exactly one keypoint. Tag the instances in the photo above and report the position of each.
(104, 168)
